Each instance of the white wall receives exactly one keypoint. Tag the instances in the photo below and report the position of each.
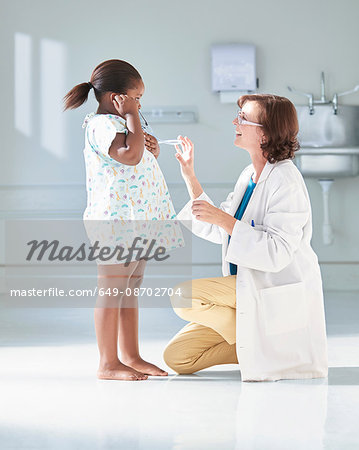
(170, 44)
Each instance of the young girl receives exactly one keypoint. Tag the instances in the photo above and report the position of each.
(124, 182)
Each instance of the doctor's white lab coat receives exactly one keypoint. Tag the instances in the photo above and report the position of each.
(280, 325)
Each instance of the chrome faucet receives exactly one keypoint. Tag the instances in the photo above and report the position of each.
(309, 96)
(323, 100)
(323, 88)
(335, 98)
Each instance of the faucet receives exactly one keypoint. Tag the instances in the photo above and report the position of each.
(322, 85)
(323, 88)
(309, 96)
(335, 98)
(323, 100)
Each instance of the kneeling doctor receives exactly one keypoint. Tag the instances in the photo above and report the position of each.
(266, 313)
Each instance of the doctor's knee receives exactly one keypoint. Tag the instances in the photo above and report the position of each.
(182, 295)
(177, 362)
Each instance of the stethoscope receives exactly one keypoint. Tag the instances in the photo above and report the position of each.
(148, 129)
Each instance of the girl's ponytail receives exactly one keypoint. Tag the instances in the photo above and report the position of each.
(113, 75)
(77, 96)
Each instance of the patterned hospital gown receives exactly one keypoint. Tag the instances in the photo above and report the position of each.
(122, 196)
(115, 189)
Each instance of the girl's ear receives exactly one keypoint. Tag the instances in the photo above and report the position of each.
(113, 96)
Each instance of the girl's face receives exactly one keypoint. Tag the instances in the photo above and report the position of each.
(248, 137)
(136, 92)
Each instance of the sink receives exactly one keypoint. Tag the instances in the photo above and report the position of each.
(328, 162)
(326, 129)
(329, 149)
(329, 142)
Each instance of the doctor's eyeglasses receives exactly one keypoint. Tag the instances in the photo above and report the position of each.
(242, 121)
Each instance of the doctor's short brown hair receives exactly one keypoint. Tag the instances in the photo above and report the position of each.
(278, 117)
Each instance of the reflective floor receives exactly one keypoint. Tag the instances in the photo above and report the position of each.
(51, 399)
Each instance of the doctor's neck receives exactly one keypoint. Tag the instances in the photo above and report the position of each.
(258, 161)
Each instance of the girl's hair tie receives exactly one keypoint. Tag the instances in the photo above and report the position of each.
(90, 84)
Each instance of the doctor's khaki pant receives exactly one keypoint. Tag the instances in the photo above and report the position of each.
(210, 337)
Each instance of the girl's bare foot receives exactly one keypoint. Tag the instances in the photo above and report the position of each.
(119, 371)
(145, 367)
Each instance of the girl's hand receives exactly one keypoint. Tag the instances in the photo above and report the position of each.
(206, 212)
(185, 157)
(151, 144)
(125, 105)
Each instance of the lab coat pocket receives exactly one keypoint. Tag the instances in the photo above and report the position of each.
(283, 308)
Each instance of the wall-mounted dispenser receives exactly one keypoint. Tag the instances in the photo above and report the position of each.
(233, 70)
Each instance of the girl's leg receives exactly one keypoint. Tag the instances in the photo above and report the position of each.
(112, 277)
(128, 329)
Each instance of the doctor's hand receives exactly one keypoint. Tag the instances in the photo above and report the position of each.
(152, 145)
(206, 212)
(185, 157)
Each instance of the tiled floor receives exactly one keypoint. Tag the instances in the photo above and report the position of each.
(51, 399)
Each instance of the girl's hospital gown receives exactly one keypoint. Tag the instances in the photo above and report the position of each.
(124, 202)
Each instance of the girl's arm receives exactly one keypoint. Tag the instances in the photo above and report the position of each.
(186, 160)
(128, 149)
